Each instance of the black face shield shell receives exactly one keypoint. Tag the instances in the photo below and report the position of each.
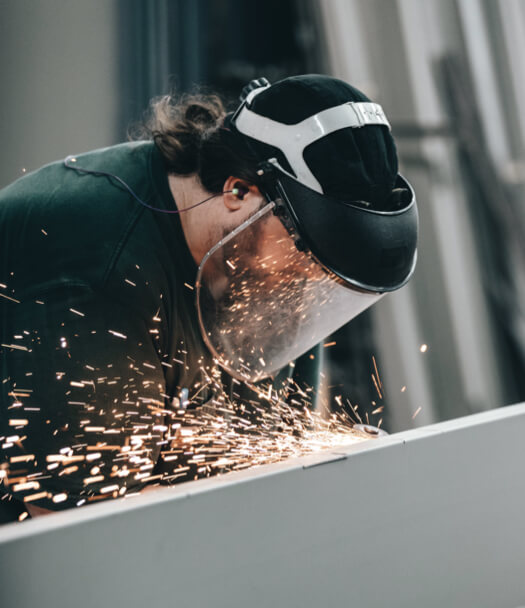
(369, 249)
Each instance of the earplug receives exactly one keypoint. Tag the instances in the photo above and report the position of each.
(239, 192)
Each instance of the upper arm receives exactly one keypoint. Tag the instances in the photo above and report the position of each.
(82, 398)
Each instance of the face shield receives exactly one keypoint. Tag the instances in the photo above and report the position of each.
(262, 302)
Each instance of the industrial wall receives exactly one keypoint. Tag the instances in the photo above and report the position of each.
(59, 81)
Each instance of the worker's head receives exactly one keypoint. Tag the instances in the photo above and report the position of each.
(315, 222)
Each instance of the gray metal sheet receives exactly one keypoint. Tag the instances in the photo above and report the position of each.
(430, 517)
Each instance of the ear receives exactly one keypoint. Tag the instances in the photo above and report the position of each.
(238, 192)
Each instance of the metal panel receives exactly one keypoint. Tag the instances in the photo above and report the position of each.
(430, 517)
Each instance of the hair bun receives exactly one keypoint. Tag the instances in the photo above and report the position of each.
(201, 116)
(179, 126)
(189, 132)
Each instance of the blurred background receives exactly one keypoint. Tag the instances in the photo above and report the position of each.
(75, 75)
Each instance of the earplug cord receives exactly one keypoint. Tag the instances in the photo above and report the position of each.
(71, 159)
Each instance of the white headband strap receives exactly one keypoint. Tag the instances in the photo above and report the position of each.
(293, 139)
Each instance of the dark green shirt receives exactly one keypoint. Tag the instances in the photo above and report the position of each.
(99, 330)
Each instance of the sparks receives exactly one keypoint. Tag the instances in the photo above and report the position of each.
(18, 422)
(77, 312)
(11, 299)
(416, 412)
(15, 346)
(117, 334)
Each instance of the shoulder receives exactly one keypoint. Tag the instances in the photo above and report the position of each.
(62, 223)
(54, 179)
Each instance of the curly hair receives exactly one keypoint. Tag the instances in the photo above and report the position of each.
(189, 132)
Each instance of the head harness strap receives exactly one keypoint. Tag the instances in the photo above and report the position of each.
(293, 139)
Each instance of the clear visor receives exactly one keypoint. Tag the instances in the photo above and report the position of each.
(262, 303)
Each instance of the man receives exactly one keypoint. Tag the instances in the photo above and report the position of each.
(130, 273)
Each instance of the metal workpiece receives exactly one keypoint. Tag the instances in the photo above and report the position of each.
(430, 517)
(369, 431)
